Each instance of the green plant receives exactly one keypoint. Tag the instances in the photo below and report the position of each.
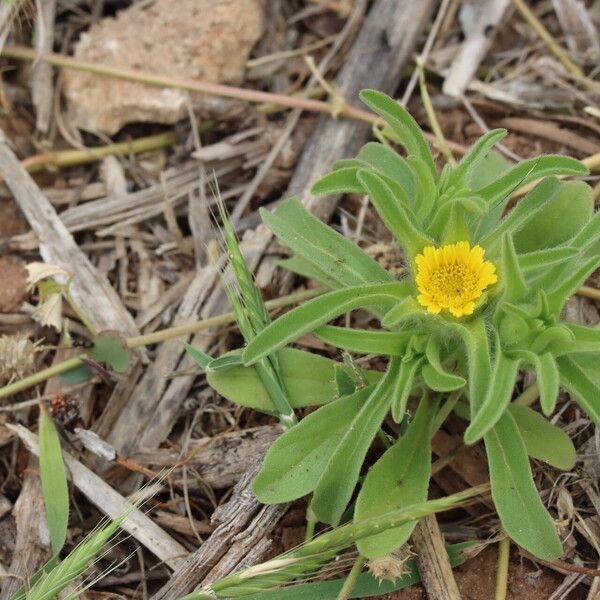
(481, 300)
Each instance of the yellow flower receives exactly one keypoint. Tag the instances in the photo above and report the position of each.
(453, 277)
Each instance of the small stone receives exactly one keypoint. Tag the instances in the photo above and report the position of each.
(206, 40)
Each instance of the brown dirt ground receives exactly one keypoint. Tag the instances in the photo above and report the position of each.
(476, 580)
(13, 283)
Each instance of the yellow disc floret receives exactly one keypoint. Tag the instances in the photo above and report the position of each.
(453, 277)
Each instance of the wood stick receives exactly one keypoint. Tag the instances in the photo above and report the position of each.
(432, 559)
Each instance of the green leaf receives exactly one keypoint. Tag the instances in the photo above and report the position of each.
(345, 181)
(340, 181)
(110, 348)
(318, 311)
(225, 362)
(403, 311)
(487, 170)
(403, 124)
(330, 252)
(477, 350)
(335, 487)
(498, 395)
(555, 334)
(543, 440)
(398, 479)
(299, 265)
(77, 374)
(548, 380)
(584, 340)
(531, 204)
(541, 259)
(54, 482)
(570, 283)
(460, 175)
(580, 376)
(308, 379)
(388, 162)
(434, 374)
(513, 280)
(200, 358)
(365, 341)
(523, 516)
(426, 190)
(297, 459)
(404, 386)
(394, 213)
(549, 228)
(528, 171)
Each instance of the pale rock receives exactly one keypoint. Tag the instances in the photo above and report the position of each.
(192, 39)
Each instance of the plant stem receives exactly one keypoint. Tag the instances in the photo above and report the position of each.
(502, 568)
(218, 321)
(40, 376)
(206, 87)
(153, 338)
(352, 578)
(311, 521)
(267, 100)
(528, 396)
(442, 144)
(446, 408)
(79, 313)
(70, 158)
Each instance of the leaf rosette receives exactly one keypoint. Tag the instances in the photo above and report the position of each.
(481, 299)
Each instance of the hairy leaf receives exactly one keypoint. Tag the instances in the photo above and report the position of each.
(523, 516)
(460, 175)
(318, 311)
(330, 252)
(335, 487)
(580, 376)
(394, 213)
(54, 482)
(308, 379)
(543, 440)
(398, 479)
(434, 374)
(297, 459)
(549, 228)
(403, 124)
(497, 397)
(365, 341)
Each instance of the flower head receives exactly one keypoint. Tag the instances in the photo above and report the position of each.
(453, 277)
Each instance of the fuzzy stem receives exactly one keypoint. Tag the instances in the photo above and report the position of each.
(446, 408)
(442, 144)
(502, 568)
(352, 578)
(153, 338)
